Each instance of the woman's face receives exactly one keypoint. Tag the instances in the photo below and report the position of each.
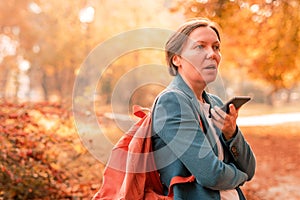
(200, 57)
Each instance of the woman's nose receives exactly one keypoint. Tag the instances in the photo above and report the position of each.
(211, 54)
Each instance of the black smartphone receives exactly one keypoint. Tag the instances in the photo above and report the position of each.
(237, 101)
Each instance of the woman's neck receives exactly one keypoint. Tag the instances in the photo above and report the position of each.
(196, 87)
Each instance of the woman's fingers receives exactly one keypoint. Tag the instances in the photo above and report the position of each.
(225, 122)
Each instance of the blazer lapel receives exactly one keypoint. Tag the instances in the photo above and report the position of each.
(179, 84)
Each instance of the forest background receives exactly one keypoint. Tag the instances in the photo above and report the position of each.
(45, 44)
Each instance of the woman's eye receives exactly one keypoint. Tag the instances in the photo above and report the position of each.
(200, 46)
(216, 47)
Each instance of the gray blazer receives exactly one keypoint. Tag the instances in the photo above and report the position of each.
(182, 148)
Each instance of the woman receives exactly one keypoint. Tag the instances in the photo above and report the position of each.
(192, 136)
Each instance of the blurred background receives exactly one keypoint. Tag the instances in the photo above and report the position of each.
(44, 43)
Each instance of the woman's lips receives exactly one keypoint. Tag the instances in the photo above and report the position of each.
(210, 67)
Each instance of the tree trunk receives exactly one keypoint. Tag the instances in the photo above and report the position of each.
(44, 85)
(3, 81)
(271, 97)
(58, 77)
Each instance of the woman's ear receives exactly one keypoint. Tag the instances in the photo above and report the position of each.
(176, 60)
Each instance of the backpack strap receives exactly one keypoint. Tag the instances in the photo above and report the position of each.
(140, 111)
(177, 180)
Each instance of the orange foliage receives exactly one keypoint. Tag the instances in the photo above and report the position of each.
(41, 155)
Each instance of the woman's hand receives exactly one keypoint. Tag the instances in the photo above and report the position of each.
(225, 122)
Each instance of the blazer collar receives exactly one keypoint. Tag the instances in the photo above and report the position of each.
(180, 84)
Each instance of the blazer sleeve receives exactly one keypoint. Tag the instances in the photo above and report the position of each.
(175, 122)
(242, 154)
(240, 150)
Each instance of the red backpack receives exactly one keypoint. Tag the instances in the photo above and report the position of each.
(130, 173)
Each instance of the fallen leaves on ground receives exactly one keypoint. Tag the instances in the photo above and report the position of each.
(277, 150)
(41, 155)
